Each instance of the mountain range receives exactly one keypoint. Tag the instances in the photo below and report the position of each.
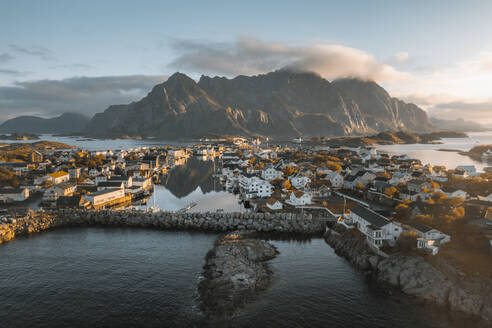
(458, 125)
(65, 123)
(282, 103)
(278, 104)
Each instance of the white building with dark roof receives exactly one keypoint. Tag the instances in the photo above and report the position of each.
(376, 227)
(8, 195)
(429, 238)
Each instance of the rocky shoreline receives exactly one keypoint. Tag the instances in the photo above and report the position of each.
(235, 270)
(413, 275)
(281, 223)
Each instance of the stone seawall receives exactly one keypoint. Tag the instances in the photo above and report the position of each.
(285, 223)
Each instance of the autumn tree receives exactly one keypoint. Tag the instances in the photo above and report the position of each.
(333, 166)
(407, 241)
(403, 211)
(288, 170)
(286, 185)
(390, 191)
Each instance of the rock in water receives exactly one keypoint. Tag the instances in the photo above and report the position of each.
(234, 272)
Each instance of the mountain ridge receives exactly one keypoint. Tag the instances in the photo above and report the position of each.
(458, 125)
(64, 123)
(277, 104)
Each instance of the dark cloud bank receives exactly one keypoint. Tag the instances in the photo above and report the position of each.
(85, 95)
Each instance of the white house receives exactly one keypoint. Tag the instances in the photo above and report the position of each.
(335, 178)
(399, 177)
(59, 177)
(456, 193)
(367, 177)
(270, 173)
(101, 197)
(299, 181)
(274, 204)
(177, 153)
(429, 238)
(471, 170)
(142, 182)
(376, 227)
(62, 189)
(298, 197)
(8, 195)
(255, 187)
(128, 181)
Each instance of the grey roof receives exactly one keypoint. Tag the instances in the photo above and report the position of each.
(102, 192)
(11, 190)
(421, 227)
(370, 216)
(110, 184)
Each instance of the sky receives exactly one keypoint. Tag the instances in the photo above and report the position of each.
(82, 56)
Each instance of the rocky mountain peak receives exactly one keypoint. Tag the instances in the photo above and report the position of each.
(283, 103)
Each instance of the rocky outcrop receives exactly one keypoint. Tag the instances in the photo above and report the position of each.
(279, 104)
(234, 272)
(282, 223)
(413, 275)
(380, 110)
(31, 223)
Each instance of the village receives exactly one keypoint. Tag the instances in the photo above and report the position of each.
(394, 202)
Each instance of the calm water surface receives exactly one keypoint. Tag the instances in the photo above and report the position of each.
(193, 182)
(430, 154)
(425, 153)
(105, 144)
(101, 277)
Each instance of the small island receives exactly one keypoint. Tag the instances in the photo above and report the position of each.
(235, 271)
(481, 153)
(388, 138)
(19, 136)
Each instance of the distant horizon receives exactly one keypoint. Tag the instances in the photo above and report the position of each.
(164, 79)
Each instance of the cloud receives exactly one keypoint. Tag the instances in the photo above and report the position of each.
(86, 95)
(10, 72)
(401, 57)
(250, 56)
(447, 106)
(35, 51)
(480, 112)
(460, 90)
(74, 66)
(5, 57)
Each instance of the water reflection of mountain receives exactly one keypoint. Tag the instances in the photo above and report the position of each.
(184, 179)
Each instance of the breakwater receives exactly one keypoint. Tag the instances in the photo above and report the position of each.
(281, 223)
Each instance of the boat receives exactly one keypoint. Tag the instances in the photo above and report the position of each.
(297, 140)
(153, 209)
(188, 207)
